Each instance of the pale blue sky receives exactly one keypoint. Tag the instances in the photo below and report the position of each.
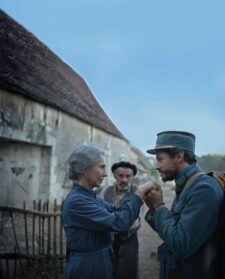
(152, 65)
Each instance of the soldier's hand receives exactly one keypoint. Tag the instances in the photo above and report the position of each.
(149, 203)
(156, 195)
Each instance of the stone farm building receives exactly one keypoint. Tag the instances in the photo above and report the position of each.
(46, 109)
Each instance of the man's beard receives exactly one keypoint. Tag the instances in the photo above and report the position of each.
(169, 176)
(123, 186)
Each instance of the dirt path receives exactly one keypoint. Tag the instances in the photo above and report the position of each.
(148, 243)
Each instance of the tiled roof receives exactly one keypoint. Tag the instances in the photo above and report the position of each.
(30, 68)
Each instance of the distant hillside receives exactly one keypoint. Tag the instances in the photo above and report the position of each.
(206, 162)
(212, 162)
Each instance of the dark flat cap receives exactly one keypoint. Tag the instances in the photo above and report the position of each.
(184, 141)
(123, 164)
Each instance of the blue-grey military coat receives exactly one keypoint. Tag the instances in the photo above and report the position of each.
(88, 222)
(190, 224)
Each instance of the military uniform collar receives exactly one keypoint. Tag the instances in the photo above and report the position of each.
(184, 175)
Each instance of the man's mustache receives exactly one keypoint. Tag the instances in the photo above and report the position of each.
(123, 184)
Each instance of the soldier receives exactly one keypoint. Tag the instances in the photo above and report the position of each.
(188, 229)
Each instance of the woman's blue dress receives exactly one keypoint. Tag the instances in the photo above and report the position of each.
(88, 223)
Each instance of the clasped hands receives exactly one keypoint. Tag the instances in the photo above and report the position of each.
(152, 195)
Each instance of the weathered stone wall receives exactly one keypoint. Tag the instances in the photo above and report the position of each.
(24, 173)
(35, 142)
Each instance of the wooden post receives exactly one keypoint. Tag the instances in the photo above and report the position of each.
(49, 233)
(39, 229)
(43, 230)
(54, 228)
(61, 237)
(26, 231)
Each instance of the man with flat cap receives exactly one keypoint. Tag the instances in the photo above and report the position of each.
(125, 243)
(188, 229)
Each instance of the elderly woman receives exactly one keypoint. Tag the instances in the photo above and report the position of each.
(89, 221)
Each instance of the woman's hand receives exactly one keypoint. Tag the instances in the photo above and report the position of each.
(143, 189)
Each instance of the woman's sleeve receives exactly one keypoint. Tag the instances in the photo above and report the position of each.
(99, 215)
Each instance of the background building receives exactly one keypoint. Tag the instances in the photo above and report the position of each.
(46, 109)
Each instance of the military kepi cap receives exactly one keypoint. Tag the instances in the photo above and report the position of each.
(174, 140)
(123, 164)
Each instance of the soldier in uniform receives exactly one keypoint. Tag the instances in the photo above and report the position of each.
(188, 229)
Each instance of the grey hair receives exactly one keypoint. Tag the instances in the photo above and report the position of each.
(83, 157)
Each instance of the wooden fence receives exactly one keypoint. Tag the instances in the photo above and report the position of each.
(32, 242)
